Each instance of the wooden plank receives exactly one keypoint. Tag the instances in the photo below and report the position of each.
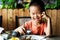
(0, 18)
(58, 23)
(26, 13)
(53, 19)
(4, 19)
(10, 25)
(16, 11)
(21, 13)
(14, 19)
(0, 12)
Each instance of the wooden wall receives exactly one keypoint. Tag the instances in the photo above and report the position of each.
(55, 21)
(9, 18)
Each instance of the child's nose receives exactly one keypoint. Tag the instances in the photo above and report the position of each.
(35, 15)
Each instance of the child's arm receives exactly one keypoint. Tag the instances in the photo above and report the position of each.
(47, 29)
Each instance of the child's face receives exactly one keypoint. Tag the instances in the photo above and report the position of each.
(35, 13)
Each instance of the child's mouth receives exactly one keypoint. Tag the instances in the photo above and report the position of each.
(37, 19)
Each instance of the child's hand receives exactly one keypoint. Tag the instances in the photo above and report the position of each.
(46, 18)
(47, 28)
(21, 29)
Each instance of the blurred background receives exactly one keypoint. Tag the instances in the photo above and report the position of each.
(11, 11)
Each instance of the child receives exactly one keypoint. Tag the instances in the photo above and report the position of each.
(37, 25)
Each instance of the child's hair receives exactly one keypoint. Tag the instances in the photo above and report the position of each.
(38, 3)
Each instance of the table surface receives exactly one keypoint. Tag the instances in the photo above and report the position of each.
(53, 38)
(37, 37)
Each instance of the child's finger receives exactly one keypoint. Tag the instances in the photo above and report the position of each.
(21, 31)
(24, 30)
(43, 15)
